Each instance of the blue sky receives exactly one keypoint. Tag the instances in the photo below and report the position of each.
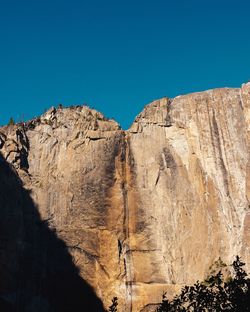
(117, 56)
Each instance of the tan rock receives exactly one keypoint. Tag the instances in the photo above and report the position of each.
(148, 209)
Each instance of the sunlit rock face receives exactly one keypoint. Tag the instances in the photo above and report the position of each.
(148, 209)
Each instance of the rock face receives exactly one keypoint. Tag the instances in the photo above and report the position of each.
(138, 211)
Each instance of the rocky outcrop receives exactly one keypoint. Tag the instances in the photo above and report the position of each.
(144, 210)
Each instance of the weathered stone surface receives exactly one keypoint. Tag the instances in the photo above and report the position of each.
(192, 186)
(144, 210)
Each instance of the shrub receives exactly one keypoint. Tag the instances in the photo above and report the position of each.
(214, 295)
(113, 307)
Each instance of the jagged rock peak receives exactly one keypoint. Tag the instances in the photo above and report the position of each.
(73, 126)
(156, 113)
(79, 115)
(68, 117)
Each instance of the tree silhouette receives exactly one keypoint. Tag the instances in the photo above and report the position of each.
(11, 121)
(214, 295)
(113, 307)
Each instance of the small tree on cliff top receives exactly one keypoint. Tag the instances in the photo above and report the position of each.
(11, 121)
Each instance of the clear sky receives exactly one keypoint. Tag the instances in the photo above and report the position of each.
(117, 55)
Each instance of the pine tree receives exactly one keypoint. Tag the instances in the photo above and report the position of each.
(11, 121)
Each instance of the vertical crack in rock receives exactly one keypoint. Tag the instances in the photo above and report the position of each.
(125, 247)
(119, 248)
(168, 116)
(218, 144)
(23, 141)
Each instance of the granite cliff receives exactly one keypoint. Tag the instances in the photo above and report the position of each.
(124, 213)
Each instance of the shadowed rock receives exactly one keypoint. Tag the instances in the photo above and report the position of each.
(36, 270)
